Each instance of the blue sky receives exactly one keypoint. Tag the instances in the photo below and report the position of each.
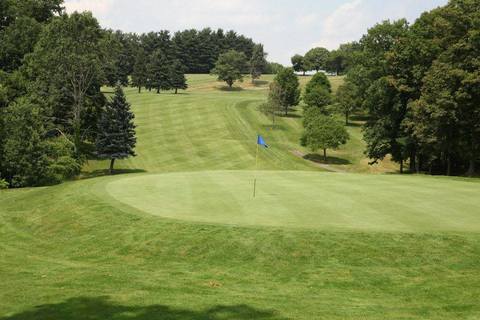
(285, 27)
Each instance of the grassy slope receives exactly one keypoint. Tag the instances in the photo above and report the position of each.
(74, 252)
(208, 127)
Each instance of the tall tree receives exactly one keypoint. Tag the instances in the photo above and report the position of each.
(322, 132)
(140, 70)
(288, 82)
(274, 104)
(316, 59)
(346, 100)
(159, 71)
(298, 63)
(177, 76)
(258, 62)
(230, 67)
(66, 67)
(116, 138)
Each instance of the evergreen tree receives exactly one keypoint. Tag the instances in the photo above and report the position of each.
(116, 130)
(140, 70)
(258, 62)
(177, 76)
(159, 71)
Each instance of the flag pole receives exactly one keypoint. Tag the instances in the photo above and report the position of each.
(255, 175)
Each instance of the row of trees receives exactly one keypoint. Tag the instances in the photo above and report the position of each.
(336, 61)
(53, 115)
(157, 60)
(420, 86)
(322, 130)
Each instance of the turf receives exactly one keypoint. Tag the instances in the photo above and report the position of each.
(323, 201)
(181, 238)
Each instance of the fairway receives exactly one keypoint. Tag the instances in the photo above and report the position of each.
(306, 200)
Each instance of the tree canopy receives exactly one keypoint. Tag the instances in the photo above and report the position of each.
(230, 67)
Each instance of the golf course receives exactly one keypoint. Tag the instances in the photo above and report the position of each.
(177, 233)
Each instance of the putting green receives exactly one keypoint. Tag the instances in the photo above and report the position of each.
(307, 200)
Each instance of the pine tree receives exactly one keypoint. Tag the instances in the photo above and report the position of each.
(159, 71)
(177, 76)
(116, 131)
(258, 62)
(139, 75)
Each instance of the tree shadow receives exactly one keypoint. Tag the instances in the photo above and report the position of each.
(354, 124)
(232, 89)
(359, 117)
(273, 127)
(317, 158)
(260, 83)
(291, 115)
(106, 172)
(102, 308)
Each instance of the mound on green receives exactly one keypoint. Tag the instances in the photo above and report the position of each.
(323, 201)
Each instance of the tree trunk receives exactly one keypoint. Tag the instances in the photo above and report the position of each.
(346, 118)
(139, 89)
(176, 90)
(449, 166)
(401, 166)
(471, 168)
(112, 161)
(304, 73)
(418, 164)
(158, 90)
(325, 155)
(413, 163)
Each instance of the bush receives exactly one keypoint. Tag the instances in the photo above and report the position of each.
(3, 184)
(30, 159)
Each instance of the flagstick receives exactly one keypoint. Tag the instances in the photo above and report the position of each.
(255, 177)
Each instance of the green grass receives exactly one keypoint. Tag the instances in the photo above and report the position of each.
(180, 237)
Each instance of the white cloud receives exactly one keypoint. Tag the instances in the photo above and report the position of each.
(285, 27)
(348, 22)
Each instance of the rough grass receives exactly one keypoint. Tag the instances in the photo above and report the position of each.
(402, 248)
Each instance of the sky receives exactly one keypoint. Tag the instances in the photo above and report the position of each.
(285, 27)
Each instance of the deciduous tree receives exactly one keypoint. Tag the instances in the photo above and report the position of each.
(230, 67)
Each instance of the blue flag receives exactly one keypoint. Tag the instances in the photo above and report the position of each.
(261, 142)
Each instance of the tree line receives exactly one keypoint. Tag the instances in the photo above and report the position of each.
(53, 114)
(336, 61)
(419, 84)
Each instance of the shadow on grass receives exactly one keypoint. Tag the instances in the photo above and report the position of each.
(272, 127)
(314, 157)
(232, 89)
(103, 308)
(106, 172)
(290, 115)
(354, 124)
(259, 83)
(359, 117)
